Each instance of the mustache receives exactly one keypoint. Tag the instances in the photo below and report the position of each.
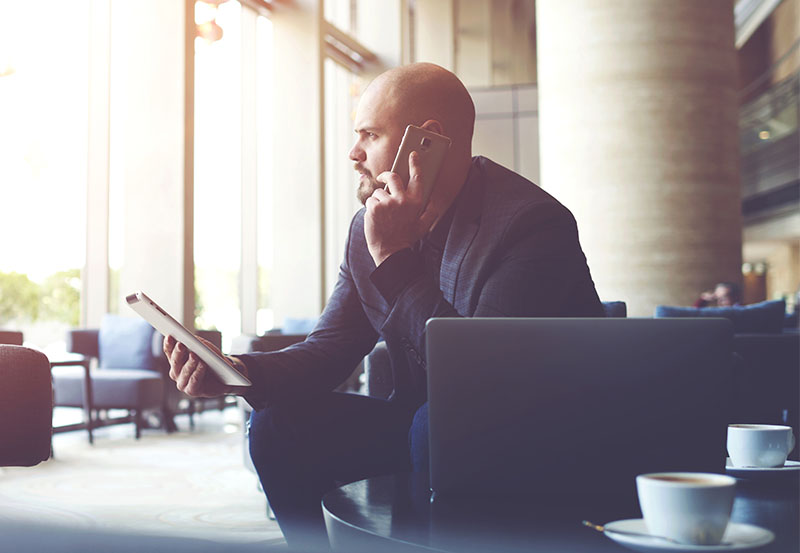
(359, 168)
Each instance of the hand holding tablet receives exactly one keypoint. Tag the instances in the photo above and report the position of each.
(168, 326)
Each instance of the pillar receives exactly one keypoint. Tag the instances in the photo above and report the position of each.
(639, 138)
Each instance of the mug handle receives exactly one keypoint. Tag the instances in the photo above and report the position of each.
(792, 442)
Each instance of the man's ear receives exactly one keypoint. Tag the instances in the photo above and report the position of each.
(434, 126)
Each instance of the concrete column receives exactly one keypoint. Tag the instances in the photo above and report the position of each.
(639, 138)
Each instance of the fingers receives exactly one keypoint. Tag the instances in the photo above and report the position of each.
(169, 344)
(380, 194)
(191, 376)
(185, 368)
(176, 354)
(394, 185)
(415, 175)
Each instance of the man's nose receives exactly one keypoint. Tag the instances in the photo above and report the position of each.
(357, 153)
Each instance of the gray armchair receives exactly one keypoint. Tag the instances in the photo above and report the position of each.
(127, 376)
(132, 374)
(26, 406)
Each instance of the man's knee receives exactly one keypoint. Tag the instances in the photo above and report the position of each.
(418, 440)
(268, 436)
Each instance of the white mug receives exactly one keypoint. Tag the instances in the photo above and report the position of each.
(688, 507)
(759, 445)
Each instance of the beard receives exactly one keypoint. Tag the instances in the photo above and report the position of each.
(366, 185)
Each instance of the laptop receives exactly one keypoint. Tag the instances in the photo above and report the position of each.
(555, 407)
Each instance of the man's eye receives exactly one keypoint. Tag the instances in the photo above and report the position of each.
(371, 135)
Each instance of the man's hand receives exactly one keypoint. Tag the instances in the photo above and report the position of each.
(393, 220)
(192, 376)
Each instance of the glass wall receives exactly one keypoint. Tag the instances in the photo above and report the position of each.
(233, 171)
(43, 156)
(264, 315)
(342, 90)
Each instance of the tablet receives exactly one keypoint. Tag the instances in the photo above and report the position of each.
(166, 325)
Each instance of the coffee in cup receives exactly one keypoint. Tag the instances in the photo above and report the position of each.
(759, 445)
(688, 507)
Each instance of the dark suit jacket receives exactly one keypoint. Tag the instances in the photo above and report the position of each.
(511, 251)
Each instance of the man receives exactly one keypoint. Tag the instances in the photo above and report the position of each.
(726, 294)
(488, 243)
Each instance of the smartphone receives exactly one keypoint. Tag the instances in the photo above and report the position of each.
(432, 149)
(167, 325)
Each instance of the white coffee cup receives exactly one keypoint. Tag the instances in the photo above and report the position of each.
(688, 507)
(759, 445)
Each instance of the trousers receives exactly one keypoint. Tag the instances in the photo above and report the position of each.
(304, 448)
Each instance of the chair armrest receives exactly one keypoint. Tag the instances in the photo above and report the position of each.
(84, 341)
(247, 343)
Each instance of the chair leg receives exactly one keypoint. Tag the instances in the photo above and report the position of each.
(137, 417)
(168, 421)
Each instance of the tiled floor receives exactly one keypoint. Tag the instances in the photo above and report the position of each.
(186, 484)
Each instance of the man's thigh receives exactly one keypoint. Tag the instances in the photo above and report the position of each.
(335, 436)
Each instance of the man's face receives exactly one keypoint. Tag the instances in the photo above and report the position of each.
(724, 297)
(379, 133)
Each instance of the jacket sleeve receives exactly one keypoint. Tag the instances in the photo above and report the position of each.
(342, 337)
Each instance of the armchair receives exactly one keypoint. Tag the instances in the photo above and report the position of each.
(127, 375)
(26, 406)
(132, 374)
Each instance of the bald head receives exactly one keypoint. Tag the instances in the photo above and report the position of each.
(413, 94)
(421, 94)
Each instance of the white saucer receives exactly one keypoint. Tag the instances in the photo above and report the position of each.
(738, 537)
(790, 466)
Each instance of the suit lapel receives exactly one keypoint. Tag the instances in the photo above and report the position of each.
(462, 232)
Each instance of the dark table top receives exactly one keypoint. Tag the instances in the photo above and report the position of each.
(395, 513)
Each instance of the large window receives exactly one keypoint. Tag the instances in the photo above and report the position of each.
(265, 319)
(218, 174)
(232, 171)
(43, 153)
(342, 89)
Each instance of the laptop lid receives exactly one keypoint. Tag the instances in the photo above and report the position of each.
(574, 406)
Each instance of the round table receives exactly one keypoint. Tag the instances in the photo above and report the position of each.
(395, 513)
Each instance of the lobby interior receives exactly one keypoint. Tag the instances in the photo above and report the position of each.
(197, 150)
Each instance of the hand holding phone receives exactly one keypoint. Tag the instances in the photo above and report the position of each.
(431, 150)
